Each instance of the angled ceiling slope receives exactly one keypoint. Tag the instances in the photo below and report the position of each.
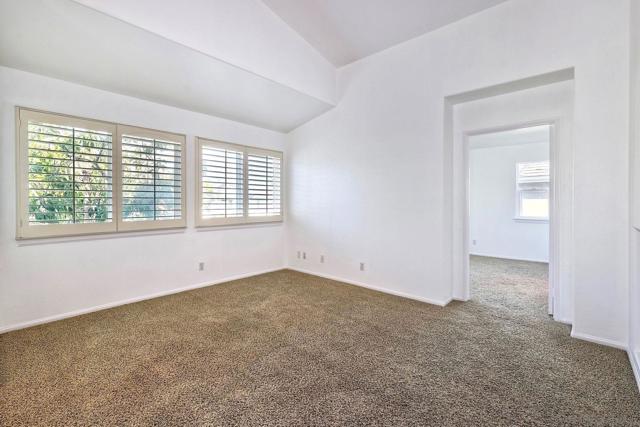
(69, 41)
(347, 30)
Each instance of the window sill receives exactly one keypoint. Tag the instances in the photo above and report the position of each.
(239, 225)
(532, 220)
(31, 241)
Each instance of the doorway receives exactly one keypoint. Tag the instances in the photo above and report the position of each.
(534, 101)
(510, 199)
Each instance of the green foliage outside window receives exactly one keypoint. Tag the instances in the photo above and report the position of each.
(70, 175)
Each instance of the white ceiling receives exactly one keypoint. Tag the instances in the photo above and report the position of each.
(244, 33)
(528, 135)
(116, 50)
(97, 50)
(347, 30)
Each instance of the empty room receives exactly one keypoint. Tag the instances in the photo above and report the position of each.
(337, 212)
(509, 195)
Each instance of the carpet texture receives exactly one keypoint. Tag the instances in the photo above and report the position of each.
(287, 348)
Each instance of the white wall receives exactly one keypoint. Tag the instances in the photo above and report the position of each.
(40, 279)
(367, 179)
(245, 33)
(492, 196)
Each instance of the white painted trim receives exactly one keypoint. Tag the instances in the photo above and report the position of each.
(598, 340)
(374, 288)
(634, 358)
(563, 320)
(509, 258)
(80, 312)
(531, 220)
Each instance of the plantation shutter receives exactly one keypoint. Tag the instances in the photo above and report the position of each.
(237, 184)
(222, 184)
(263, 181)
(152, 178)
(67, 176)
(65, 168)
(533, 172)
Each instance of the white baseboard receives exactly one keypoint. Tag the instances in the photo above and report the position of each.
(598, 340)
(563, 320)
(510, 258)
(74, 313)
(374, 288)
(634, 358)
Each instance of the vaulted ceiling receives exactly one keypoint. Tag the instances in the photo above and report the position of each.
(269, 63)
(237, 72)
(347, 30)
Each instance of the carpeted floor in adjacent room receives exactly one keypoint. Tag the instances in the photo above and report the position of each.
(286, 348)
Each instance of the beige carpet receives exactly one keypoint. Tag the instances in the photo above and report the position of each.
(291, 349)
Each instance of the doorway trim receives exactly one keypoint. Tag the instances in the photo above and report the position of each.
(554, 237)
(455, 268)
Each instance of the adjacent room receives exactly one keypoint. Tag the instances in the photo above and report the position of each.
(509, 198)
(293, 212)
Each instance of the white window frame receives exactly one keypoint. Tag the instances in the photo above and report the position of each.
(158, 223)
(245, 219)
(519, 193)
(26, 231)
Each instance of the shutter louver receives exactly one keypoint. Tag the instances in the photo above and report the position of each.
(70, 172)
(222, 186)
(263, 180)
(151, 179)
(533, 172)
(237, 184)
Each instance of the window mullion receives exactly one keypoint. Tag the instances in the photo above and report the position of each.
(117, 188)
(226, 160)
(266, 185)
(154, 207)
(73, 177)
(245, 184)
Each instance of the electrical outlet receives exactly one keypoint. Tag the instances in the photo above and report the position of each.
(298, 254)
(201, 266)
(362, 266)
(474, 242)
(321, 259)
(304, 255)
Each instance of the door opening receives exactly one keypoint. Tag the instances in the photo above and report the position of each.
(510, 199)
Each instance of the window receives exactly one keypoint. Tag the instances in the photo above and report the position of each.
(237, 184)
(65, 183)
(263, 180)
(69, 176)
(221, 183)
(152, 193)
(532, 191)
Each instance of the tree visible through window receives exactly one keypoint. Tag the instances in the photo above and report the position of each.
(70, 175)
(151, 179)
(83, 176)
